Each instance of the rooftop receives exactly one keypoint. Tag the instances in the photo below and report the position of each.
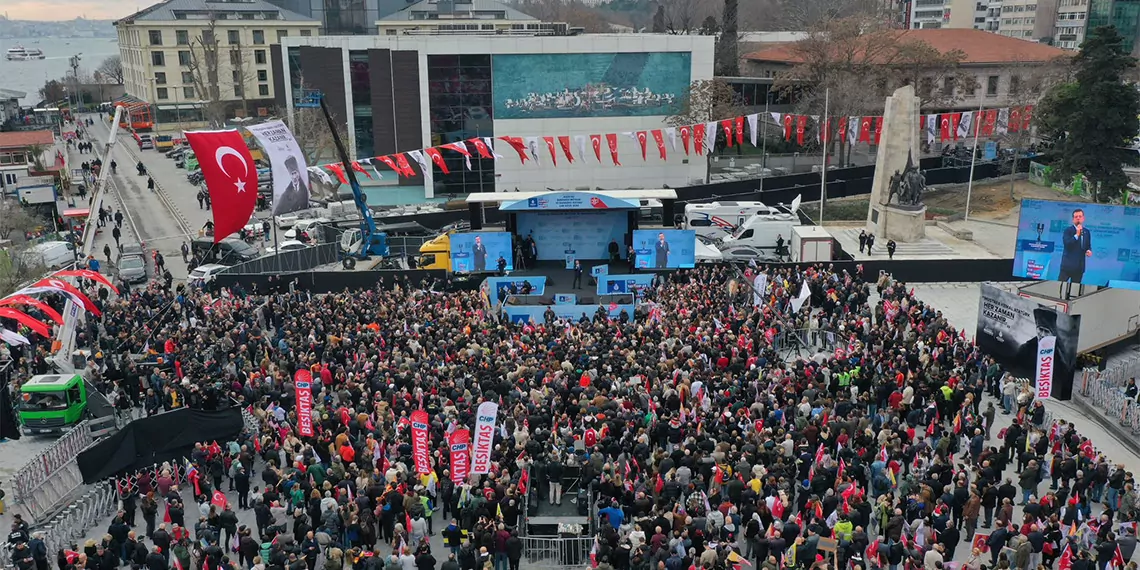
(12, 94)
(461, 10)
(171, 10)
(24, 139)
(979, 47)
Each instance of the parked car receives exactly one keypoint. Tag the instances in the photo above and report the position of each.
(204, 274)
(287, 245)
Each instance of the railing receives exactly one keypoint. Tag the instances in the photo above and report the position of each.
(53, 475)
(289, 261)
(526, 504)
(806, 340)
(1104, 391)
(71, 525)
(556, 552)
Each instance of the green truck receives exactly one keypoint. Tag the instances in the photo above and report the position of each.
(53, 404)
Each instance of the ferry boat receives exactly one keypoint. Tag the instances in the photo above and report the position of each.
(19, 53)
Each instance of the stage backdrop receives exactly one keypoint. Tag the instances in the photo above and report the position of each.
(1106, 252)
(1010, 328)
(567, 85)
(583, 235)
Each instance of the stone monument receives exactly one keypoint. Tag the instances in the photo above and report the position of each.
(896, 210)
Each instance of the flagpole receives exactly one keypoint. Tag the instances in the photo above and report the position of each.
(973, 158)
(823, 161)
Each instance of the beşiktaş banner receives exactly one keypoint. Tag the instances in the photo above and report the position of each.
(1046, 357)
(421, 441)
(460, 444)
(303, 385)
(287, 162)
(1011, 328)
(485, 418)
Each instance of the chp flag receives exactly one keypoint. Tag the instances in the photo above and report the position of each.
(485, 418)
(421, 441)
(1046, 356)
(460, 444)
(287, 162)
(303, 386)
(230, 175)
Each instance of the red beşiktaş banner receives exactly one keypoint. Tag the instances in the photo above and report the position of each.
(303, 385)
(1046, 359)
(230, 175)
(421, 443)
(485, 418)
(460, 444)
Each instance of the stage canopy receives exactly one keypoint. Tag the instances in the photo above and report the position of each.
(546, 201)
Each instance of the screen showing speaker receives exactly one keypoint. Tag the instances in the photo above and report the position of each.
(581, 235)
(480, 252)
(665, 249)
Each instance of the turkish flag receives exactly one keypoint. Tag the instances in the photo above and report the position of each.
(553, 150)
(481, 146)
(437, 158)
(52, 284)
(699, 138)
(944, 134)
(564, 142)
(739, 126)
(404, 166)
(955, 119)
(519, 146)
(1026, 117)
(338, 170)
(788, 121)
(641, 140)
(878, 129)
(727, 126)
(686, 132)
(991, 122)
(825, 132)
(801, 126)
(1014, 120)
(659, 138)
(611, 141)
(24, 319)
(865, 130)
(391, 164)
(596, 141)
(230, 175)
(842, 129)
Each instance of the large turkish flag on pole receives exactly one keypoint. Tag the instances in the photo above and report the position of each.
(230, 175)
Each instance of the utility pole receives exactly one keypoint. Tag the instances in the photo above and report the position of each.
(74, 64)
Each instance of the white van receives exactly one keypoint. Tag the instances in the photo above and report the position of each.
(721, 219)
(52, 254)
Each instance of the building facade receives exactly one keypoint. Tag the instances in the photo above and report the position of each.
(466, 17)
(178, 53)
(1124, 14)
(408, 92)
(1071, 23)
(1028, 19)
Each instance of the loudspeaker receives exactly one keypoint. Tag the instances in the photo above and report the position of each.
(667, 207)
(476, 211)
(512, 223)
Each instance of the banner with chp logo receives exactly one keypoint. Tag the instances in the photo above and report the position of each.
(1029, 339)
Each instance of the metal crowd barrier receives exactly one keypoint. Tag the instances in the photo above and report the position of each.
(556, 553)
(1104, 390)
(71, 525)
(53, 475)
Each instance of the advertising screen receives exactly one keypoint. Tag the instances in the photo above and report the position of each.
(664, 249)
(480, 252)
(579, 235)
(1093, 244)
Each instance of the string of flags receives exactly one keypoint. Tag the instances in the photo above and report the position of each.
(698, 139)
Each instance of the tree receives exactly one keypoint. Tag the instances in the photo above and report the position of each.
(14, 218)
(111, 69)
(812, 14)
(659, 20)
(1028, 81)
(1094, 117)
(727, 60)
(17, 270)
(684, 16)
(53, 90)
(707, 100)
(203, 66)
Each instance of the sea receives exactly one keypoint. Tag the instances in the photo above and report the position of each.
(30, 76)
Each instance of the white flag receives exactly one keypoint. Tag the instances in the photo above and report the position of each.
(581, 140)
(778, 118)
(931, 127)
(419, 157)
(672, 133)
(852, 129)
(491, 147)
(754, 127)
(13, 338)
(818, 127)
(532, 146)
(1003, 121)
(710, 136)
(805, 293)
(964, 124)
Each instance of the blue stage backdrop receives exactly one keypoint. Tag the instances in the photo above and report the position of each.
(554, 86)
(1105, 250)
(524, 313)
(622, 284)
(583, 235)
(665, 249)
(479, 252)
(500, 287)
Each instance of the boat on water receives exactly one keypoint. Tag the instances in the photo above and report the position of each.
(20, 53)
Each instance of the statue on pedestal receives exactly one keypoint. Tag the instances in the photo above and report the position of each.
(906, 186)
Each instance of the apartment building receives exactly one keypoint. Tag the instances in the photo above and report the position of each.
(179, 53)
(466, 17)
(1071, 23)
(1028, 19)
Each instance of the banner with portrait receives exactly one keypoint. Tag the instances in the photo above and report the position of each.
(287, 162)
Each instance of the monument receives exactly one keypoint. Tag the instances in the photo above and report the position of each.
(896, 210)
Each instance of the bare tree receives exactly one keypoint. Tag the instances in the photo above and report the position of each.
(14, 218)
(810, 14)
(1028, 83)
(203, 65)
(707, 100)
(111, 69)
(16, 270)
(243, 75)
(686, 16)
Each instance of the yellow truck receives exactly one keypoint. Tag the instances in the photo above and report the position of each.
(436, 254)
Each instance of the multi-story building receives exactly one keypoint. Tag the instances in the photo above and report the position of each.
(1071, 23)
(993, 15)
(1028, 19)
(344, 17)
(958, 14)
(466, 17)
(966, 14)
(186, 56)
(1123, 14)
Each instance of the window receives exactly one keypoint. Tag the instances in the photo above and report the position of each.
(259, 56)
(155, 37)
(160, 78)
(182, 37)
(948, 86)
(991, 85)
(235, 57)
(183, 58)
(281, 34)
(188, 92)
(263, 90)
(233, 37)
(1014, 84)
(306, 33)
(262, 75)
(237, 90)
(161, 93)
(259, 37)
(208, 37)
(74, 395)
(10, 178)
(236, 76)
(187, 77)
(157, 58)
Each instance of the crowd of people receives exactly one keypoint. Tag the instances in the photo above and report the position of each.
(707, 446)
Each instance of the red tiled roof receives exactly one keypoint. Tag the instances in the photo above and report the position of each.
(22, 139)
(979, 47)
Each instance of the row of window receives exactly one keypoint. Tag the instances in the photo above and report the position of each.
(158, 58)
(188, 93)
(1073, 3)
(9, 158)
(1071, 16)
(187, 77)
(233, 37)
(1024, 8)
(1018, 21)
